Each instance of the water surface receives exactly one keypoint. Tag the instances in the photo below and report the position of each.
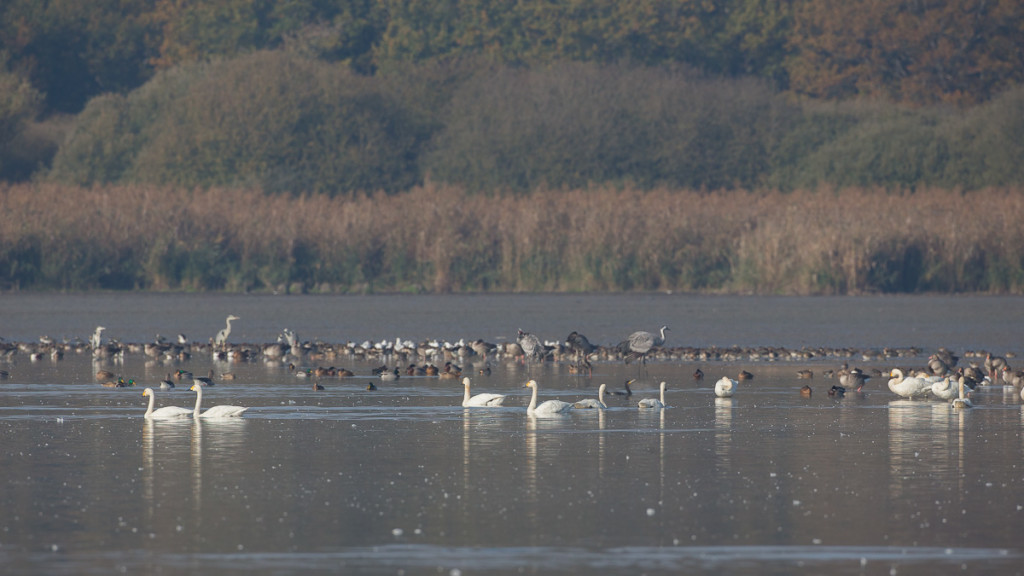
(404, 480)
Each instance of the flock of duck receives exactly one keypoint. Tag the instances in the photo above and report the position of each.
(942, 378)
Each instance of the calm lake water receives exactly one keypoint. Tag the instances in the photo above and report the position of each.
(403, 480)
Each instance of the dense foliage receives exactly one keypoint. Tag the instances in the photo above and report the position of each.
(440, 239)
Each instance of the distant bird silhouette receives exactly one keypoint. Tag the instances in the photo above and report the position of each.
(994, 366)
(531, 345)
(698, 374)
(581, 349)
(222, 337)
(640, 343)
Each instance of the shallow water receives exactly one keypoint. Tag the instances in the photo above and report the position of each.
(404, 480)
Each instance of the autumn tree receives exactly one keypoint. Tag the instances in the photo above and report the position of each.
(919, 52)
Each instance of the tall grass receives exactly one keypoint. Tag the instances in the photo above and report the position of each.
(438, 238)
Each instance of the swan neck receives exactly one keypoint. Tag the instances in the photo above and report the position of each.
(199, 400)
(152, 402)
(465, 397)
(533, 400)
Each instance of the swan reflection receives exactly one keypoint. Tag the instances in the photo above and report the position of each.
(723, 431)
(919, 438)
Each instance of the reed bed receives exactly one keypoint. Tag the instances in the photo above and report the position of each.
(441, 239)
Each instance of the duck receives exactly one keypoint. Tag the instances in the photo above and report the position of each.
(389, 375)
(590, 403)
(837, 391)
(165, 413)
(805, 374)
(546, 408)
(725, 387)
(371, 386)
(203, 380)
(317, 385)
(698, 375)
(480, 400)
(806, 391)
(908, 387)
(222, 411)
(654, 402)
(744, 375)
(167, 383)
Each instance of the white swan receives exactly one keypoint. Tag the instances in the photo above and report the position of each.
(165, 413)
(480, 399)
(654, 402)
(548, 407)
(962, 401)
(944, 388)
(908, 387)
(590, 403)
(223, 411)
(725, 387)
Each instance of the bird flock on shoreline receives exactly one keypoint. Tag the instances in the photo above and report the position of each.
(943, 377)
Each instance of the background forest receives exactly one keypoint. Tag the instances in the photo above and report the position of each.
(432, 114)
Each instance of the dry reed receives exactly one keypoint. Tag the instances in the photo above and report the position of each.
(436, 238)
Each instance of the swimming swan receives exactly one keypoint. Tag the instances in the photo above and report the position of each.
(962, 401)
(165, 413)
(725, 387)
(590, 403)
(548, 407)
(654, 402)
(223, 411)
(480, 399)
(908, 387)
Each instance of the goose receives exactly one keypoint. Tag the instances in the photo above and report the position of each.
(962, 401)
(908, 387)
(725, 387)
(480, 400)
(223, 411)
(590, 403)
(165, 413)
(654, 402)
(548, 407)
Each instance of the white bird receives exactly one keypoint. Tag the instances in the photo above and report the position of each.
(548, 407)
(96, 340)
(725, 387)
(589, 403)
(962, 401)
(908, 387)
(944, 388)
(223, 411)
(481, 399)
(222, 336)
(165, 413)
(654, 402)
